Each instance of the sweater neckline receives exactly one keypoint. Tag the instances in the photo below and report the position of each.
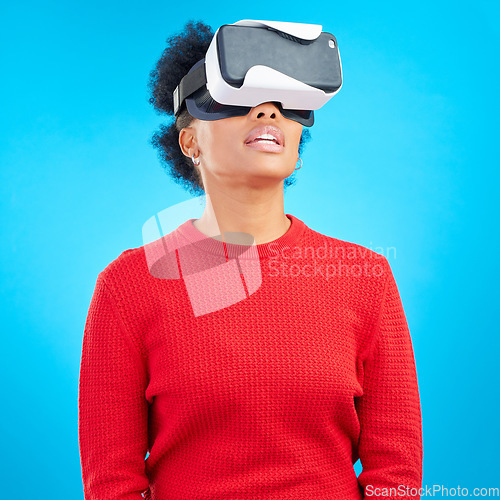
(193, 236)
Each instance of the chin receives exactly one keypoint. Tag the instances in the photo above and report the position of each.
(268, 174)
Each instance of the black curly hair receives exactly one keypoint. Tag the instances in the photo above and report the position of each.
(182, 52)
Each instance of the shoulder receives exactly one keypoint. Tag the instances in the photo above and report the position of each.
(129, 265)
(141, 271)
(343, 250)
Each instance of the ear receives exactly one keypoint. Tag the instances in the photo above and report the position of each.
(187, 141)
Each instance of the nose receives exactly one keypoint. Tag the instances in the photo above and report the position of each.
(265, 110)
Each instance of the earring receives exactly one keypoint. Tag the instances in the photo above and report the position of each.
(301, 163)
(194, 160)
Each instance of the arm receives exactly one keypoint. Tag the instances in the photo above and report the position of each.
(112, 409)
(390, 444)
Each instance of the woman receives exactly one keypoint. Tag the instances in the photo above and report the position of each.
(257, 368)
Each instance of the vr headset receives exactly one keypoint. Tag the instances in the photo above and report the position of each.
(296, 66)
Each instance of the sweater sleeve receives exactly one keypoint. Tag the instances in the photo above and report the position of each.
(112, 409)
(390, 445)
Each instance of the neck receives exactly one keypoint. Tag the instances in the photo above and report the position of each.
(259, 214)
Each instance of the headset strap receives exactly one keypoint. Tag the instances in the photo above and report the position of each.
(189, 84)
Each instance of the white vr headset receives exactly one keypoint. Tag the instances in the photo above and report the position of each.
(296, 66)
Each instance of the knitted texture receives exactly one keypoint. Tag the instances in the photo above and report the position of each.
(248, 375)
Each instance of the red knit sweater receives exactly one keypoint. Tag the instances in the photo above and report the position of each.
(259, 372)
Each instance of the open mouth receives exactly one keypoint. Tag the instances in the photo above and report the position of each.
(266, 135)
(266, 138)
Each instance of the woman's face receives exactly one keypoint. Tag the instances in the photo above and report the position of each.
(255, 150)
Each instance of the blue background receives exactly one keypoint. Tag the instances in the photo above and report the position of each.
(405, 156)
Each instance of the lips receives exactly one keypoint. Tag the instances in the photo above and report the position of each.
(266, 135)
